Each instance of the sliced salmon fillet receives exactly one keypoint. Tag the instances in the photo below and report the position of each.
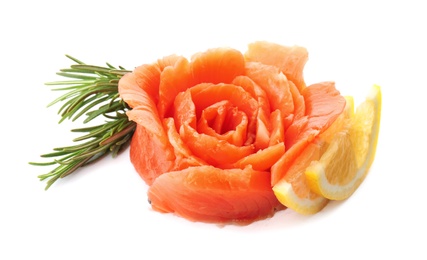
(148, 76)
(219, 65)
(167, 61)
(290, 60)
(207, 94)
(277, 128)
(280, 168)
(225, 122)
(150, 150)
(151, 155)
(275, 85)
(295, 175)
(259, 131)
(263, 159)
(184, 158)
(323, 104)
(210, 194)
(173, 80)
(299, 104)
(210, 149)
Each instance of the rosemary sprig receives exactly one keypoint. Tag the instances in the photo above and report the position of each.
(92, 91)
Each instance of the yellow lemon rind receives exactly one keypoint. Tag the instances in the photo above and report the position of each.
(305, 206)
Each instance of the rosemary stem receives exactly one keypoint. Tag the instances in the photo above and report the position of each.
(90, 92)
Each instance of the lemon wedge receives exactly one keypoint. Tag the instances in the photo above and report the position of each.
(346, 161)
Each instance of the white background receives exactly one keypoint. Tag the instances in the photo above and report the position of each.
(102, 211)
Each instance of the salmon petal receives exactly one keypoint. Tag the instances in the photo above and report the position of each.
(167, 61)
(184, 158)
(275, 85)
(263, 159)
(144, 110)
(281, 166)
(173, 80)
(296, 173)
(151, 155)
(148, 78)
(130, 91)
(211, 149)
(277, 128)
(290, 60)
(150, 150)
(323, 105)
(206, 94)
(225, 122)
(260, 130)
(223, 196)
(299, 104)
(185, 110)
(220, 65)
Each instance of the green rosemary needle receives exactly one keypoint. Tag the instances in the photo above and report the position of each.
(92, 91)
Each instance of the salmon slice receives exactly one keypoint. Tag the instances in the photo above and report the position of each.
(323, 105)
(277, 128)
(167, 61)
(275, 85)
(290, 60)
(184, 158)
(148, 75)
(206, 94)
(185, 110)
(210, 194)
(144, 110)
(151, 155)
(173, 80)
(225, 122)
(150, 150)
(281, 166)
(220, 65)
(213, 151)
(261, 127)
(147, 78)
(263, 159)
(299, 104)
(293, 190)
(296, 176)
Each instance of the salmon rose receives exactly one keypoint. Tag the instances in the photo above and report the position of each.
(210, 129)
